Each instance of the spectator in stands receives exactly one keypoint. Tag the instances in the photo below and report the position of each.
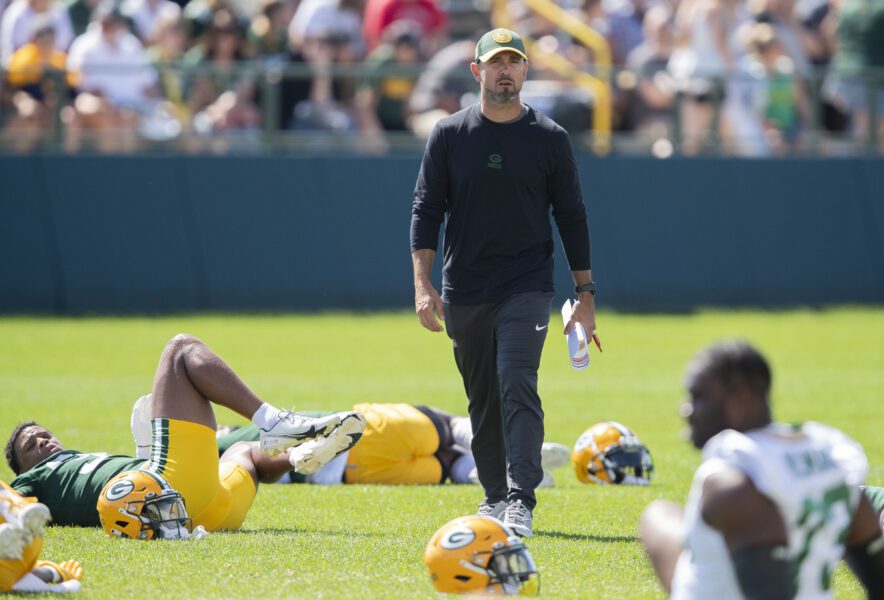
(783, 103)
(442, 89)
(18, 20)
(199, 14)
(337, 21)
(113, 78)
(144, 15)
(223, 98)
(324, 35)
(32, 65)
(625, 26)
(380, 14)
(789, 33)
(654, 96)
(35, 76)
(382, 101)
(860, 42)
(329, 105)
(704, 64)
(817, 30)
(170, 40)
(268, 31)
(594, 15)
(80, 14)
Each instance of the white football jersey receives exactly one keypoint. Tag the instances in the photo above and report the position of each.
(810, 472)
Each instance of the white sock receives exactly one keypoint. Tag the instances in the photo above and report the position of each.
(332, 473)
(31, 583)
(461, 467)
(142, 412)
(266, 416)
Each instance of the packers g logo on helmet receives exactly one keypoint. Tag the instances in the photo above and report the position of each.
(480, 554)
(610, 453)
(142, 505)
(457, 538)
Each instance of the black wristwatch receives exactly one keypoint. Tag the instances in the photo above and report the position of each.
(586, 287)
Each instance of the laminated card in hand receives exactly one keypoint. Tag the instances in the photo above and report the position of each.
(578, 346)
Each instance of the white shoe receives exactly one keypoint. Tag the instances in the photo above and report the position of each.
(310, 456)
(292, 429)
(12, 542)
(553, 456)
(33, 518)
(24, 523)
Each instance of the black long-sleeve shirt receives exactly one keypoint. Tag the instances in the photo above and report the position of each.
(494, 184)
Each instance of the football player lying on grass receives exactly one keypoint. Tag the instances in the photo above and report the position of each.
(402, 444)
(773, 507)
(183, 452)
(21, 539)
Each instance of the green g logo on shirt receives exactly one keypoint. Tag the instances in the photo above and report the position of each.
(495, 161)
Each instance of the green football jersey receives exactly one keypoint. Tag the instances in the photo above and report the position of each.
(69, 482)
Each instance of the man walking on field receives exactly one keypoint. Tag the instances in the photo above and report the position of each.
(492, 172)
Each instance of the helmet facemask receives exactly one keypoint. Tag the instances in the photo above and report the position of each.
(512, 567)
(627, 463)
(168, 515)
(164, 515)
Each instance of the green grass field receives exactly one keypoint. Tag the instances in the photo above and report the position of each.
(79, 377)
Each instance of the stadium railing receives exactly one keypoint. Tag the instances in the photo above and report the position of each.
(732, 121)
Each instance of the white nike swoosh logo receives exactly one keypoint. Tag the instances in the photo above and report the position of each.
(539, 328)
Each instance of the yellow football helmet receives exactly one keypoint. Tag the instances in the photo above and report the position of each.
(142, 505)
(480, 554)
(610, 453)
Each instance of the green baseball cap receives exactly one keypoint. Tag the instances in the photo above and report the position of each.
(499, 40)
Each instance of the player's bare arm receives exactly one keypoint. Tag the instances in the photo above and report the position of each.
(584, 309)
(753, 531)
(427, 301)
(864, 550)
(661, 529)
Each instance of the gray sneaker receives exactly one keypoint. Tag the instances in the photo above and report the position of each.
(517, 517)
(495, 510)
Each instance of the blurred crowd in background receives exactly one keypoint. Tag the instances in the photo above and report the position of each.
(740, 77)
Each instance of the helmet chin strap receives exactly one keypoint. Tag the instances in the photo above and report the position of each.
(633, 480)
(179, 532)
(597, 479)
(173, 532)
(468, 565)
